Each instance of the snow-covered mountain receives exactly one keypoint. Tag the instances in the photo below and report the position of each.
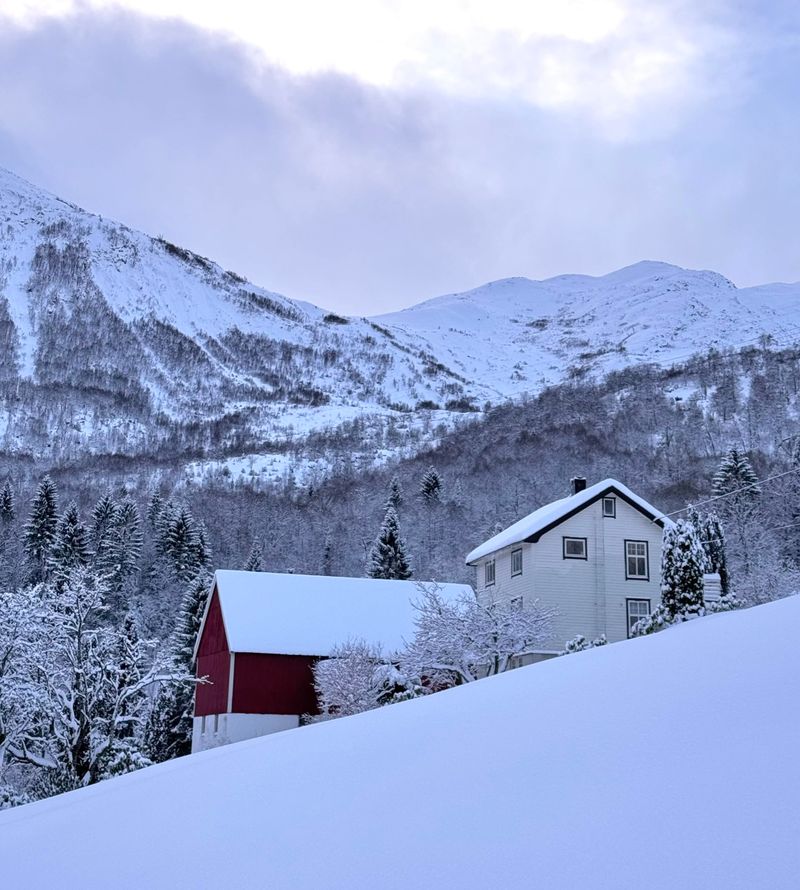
(535, 777)
(516, 334)
(114, 342)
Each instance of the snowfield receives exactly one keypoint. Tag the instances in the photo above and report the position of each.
(670, 761)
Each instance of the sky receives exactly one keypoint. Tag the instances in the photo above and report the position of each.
(368, 154)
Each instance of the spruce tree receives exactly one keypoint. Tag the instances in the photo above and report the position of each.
(713, 539)
(180, 543)
(388, 558)
(682, 564)
(40, 531)
(155, 511)
(736, 474)
(125, 542)
(253, 563)
(7, 507)
(103, 518)
(395, 498)
(327, 555)
(431, 486)
(70, 548)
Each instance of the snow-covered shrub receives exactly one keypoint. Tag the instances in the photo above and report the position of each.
(579, 643)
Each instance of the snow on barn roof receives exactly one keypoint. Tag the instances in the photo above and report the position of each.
(283, 614)
(533, 526)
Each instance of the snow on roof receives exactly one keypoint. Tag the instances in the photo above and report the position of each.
(286, 614)
(536, 522)
(545, 772)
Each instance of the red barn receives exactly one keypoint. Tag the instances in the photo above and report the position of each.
(262, 633)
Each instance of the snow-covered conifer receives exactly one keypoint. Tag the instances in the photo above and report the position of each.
(736, 474)
(431, 486)
(253, 563)
(40, 530)
(395, 498)
(70, 548)
(7, 507)
(181, 544)
(683, 562)
(388, 558)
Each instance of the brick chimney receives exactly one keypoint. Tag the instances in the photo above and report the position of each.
(578, 484)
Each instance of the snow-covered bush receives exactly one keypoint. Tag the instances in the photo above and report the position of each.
(461, 641)
(579, 643)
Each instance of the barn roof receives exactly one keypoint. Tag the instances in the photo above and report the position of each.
(283, 614)
(532, 527)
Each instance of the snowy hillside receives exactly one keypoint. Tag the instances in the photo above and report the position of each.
(120, 339)
(116, 343)
(518, 334)
(661, 762)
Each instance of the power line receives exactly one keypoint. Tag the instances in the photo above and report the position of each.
(728, 494)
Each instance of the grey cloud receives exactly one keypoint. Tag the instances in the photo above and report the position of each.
(365, 200)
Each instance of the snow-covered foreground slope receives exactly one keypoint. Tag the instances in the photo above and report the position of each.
(517, 334)
(664, 762)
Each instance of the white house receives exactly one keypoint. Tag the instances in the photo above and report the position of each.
(594, 556)
(262, 633)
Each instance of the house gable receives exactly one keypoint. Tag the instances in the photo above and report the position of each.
(213, 661)
(654, 517)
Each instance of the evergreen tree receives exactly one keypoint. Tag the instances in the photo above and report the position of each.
(70, 548)
(327, 555)
(181, 543)
(253, 563)
(103, 519)
(388, 557)
(40, 530)
(395, 498)
(713, 539)
(431, 486)
(735, 474)
(7, 507)
(168, 732)
(682, 563)
(155, 511)
(125, 542)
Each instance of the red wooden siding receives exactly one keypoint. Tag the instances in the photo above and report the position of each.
(214, 662)
(274, 684)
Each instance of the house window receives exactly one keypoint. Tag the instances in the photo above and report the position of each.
(516, 562)
(516, 602)
(574, 548)
(489, 573)
(610, 508)
(637, 609)
(637, 563)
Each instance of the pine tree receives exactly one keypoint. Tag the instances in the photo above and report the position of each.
(7, 507)
(713, 539)
(103, 517)
(431, 486)
(168, 732)
(327, 555)
(682, 563)
(395, 498)
(181, 543)
(40, 530)
(253, 563)
(70, 548)
(125, 542)
(388, 557)
(735, 474)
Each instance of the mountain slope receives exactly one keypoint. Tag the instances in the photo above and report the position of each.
(112, 331)
(667, 761)
(518, 334)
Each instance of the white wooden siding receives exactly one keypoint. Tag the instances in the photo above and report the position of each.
(590, 595)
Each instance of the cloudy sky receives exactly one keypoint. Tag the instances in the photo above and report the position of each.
(367, 154)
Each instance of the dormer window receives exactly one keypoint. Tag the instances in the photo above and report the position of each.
(610, 508)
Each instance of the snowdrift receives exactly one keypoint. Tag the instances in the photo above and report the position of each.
(663, 762)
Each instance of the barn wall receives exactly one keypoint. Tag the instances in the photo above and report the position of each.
(213, 661)
(274, 684)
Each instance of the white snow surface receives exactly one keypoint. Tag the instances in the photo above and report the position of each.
(539, 519)
(286, 614)
(663, 762)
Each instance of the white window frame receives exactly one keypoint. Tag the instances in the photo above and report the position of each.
(571, 539)
(516, 554)
(636, 575)
(489, 573)
(634, 617)
(613, 503)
